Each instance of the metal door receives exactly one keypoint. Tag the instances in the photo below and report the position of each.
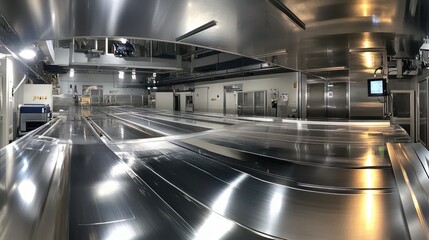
(230, 99)
(316, 100)
(252, 103)
(201, 103)
(240, 103)
(177, 102)
(96, 96)
(248, 103)
(260, 99)
(403, 110)
(423, 112)
(337, 98)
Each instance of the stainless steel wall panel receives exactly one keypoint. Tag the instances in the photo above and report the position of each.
(316, 102)
(362, 65)
(260, 103)
(423, 111)
(337, 98)
(324, 52)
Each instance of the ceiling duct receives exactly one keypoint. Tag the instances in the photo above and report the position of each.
(256, 69)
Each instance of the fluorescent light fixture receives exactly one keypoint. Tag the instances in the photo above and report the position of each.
(133, 75)
(197, 30)
(121, 74)
(364, 50)
(271, 54)
(285, 10)
(71, 72)
(27, 54)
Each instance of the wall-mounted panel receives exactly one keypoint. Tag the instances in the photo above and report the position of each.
(164, 101)
(38, 94)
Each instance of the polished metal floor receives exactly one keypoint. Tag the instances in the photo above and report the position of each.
(130, 173)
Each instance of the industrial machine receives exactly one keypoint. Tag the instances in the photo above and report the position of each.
(32, 116)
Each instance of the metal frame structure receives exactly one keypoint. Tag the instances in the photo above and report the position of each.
(418, 119)
(412, 119)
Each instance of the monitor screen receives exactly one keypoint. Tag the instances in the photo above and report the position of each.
(377, 87)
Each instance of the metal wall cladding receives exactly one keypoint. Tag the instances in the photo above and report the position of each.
(423, 112)
(316, 106)
(362, 65)
(324, 52)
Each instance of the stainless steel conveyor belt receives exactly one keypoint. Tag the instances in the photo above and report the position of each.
(251, 180)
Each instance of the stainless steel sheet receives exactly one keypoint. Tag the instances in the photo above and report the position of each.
(272, 209)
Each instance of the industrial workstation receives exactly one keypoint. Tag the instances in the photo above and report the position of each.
(202, 119)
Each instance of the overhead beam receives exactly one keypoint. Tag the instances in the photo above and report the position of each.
(295, 19)
(197, 30)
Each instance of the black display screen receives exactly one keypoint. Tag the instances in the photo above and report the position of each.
(377, 87)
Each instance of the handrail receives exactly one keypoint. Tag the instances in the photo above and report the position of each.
(413, 186)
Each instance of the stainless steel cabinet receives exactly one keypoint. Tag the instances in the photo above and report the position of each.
(327, 100)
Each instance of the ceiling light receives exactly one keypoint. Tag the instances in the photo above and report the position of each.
(28, 54)
(133, 76)
(271, 54)
(71, 72)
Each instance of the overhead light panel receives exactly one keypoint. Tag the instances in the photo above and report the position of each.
(197, 30)
(295, 19)
(272, 54)
(121, 74)
(28, 54)
(71, 72)
(133, 75)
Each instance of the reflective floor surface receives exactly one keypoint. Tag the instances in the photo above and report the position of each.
(203, 176)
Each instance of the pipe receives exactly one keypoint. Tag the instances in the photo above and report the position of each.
(375, 71)
(19, 85)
